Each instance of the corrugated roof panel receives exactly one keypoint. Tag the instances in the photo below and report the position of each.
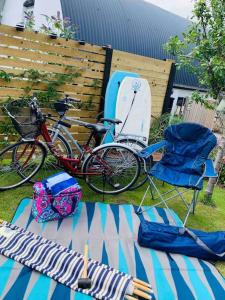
(134, 26)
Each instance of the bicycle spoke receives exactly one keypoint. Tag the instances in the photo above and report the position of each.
(118, 168)
(18, 163)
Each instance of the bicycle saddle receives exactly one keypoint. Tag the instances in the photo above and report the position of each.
(113, 121)
(96, 127)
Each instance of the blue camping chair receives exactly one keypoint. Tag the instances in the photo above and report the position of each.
(184, 163)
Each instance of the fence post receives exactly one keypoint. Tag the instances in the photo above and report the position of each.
(106, 75)
(166, 102)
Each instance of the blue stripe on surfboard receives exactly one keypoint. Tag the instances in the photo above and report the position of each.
(122, 260)
(18, 289)
(103, 213)
(166, 292)
(76, 217)
(129, 218)
(6, 269)
(40, 289)
(200, 289)
(90, 206)
(217, 289)
(20, 209)
(182, 289)
(111, 98)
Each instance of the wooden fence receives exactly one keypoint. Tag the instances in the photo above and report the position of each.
(20, 51)
(195, 112)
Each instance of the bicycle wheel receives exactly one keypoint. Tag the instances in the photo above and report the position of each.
(111, 169)
(51, 165)
(19, 162)
(137, 146)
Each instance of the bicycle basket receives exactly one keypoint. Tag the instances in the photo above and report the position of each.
(23, 118)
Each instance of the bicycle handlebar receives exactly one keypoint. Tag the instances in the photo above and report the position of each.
(67, 100)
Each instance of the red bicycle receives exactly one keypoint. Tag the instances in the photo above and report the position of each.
(110, 168)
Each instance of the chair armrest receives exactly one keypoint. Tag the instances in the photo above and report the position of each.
(209, 169)
(147, 152)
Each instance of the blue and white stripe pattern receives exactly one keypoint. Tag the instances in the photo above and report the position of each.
(59, 182)
(62, 264)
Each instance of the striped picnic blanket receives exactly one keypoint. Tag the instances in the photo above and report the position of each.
(111, 231)
(62, 264)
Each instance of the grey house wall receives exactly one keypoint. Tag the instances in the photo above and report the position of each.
(2, 3)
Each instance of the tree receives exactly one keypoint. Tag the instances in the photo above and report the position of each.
(202, 52)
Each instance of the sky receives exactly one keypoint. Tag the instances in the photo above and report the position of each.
(182, 8)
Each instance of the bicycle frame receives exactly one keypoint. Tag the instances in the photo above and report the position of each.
(65, 161)
(58, 127)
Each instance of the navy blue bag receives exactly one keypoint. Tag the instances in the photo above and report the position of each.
(181, 240)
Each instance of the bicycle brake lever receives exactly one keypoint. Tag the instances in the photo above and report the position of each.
(67, 99)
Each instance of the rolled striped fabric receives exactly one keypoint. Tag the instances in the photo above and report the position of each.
(62, 264)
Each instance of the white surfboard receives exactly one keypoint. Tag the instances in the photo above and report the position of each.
(133, 108)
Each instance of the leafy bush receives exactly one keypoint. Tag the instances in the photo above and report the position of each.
(159, 125)
(221, 178)
(62, 27)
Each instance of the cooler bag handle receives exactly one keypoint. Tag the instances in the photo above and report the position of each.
(199, 242)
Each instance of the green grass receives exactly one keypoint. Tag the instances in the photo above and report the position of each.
(206, 218)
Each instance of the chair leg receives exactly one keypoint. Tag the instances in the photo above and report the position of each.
(181, 196)
(152, 184)
(196, 194)
(162, 199)
(151, 192)
(192, 206)
(139, 210)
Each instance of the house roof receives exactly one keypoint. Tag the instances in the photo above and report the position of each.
(134, 26)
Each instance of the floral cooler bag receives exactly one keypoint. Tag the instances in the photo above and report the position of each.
(48, 207)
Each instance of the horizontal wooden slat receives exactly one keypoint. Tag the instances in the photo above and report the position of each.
(139, 58)
(83, 98)
(46, 58)
(21, 84)
(25, 65)
(79, 80)
(59, 42)
(142, 72)
(145, 64)
(43, 47)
